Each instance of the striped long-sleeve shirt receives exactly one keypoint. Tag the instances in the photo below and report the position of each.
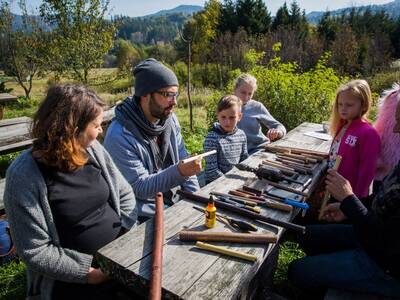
(231, 149)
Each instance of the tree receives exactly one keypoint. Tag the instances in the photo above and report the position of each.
(81, 35)
(327, 28)
(22, 50)
(253, 16)
(281, 18)
(228, 17)
(126, 55)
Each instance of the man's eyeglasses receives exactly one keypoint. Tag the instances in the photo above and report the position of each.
(170, 95)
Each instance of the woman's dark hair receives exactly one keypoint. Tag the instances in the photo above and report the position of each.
(62, 116)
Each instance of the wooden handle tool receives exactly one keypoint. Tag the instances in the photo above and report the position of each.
(226, 251)
(327, 194)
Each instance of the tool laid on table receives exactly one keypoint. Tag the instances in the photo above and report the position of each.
(235, 223)
(300, 157)
(233, 195)
(262, 201)
(268, 172)
(198, 156)
(285, 170)
(249, 202)
(231, 237)
(226, 251)
(266, 176)
(241, 211)
(237, 196)
(266, 195)
(295, 160)
(254, 209)
(281, 165)
(327, 194)
(296, 166)
(310, 153)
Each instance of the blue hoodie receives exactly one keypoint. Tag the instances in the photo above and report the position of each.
(131, 154)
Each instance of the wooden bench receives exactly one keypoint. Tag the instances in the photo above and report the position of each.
(334, 294)
(6, 98)
(15, 136)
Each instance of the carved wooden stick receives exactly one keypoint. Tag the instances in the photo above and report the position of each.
(156, 268)
(327, 194)
(199, 156)
(226, 251)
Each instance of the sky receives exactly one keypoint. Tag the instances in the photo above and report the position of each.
(136, 8)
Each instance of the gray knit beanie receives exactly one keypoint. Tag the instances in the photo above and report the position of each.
(151, 75)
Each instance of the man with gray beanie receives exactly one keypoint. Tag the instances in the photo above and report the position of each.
(145, 140)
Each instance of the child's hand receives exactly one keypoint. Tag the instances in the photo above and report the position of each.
(274, 134)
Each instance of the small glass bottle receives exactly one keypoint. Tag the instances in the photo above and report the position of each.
(211, 216)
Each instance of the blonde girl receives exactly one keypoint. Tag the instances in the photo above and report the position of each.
(353, 137)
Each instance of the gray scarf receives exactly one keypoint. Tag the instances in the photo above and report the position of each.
(129, 113)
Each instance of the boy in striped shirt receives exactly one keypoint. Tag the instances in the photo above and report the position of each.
(229, 141)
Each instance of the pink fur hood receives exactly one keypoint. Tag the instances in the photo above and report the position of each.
(390, 142)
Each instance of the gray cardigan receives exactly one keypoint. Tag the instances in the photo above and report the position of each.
(33, 228)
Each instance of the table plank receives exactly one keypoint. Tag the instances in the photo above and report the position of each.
(297, 140)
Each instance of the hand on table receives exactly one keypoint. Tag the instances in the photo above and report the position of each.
(274, 134)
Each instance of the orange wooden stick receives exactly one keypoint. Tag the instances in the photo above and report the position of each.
(156, 268)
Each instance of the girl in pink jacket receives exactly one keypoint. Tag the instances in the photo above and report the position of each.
(353, 137)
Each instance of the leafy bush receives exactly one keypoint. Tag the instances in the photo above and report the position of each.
(293, 97)
(383, 81)
(12, 281)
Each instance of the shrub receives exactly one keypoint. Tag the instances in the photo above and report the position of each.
(293, 97)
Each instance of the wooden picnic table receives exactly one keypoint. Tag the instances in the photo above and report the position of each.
(189, 273)
(15, 135)
(6, 98)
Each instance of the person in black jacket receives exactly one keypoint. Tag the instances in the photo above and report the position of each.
(361, 255)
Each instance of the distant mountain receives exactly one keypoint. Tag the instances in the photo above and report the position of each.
(391, 8)
(181, 9)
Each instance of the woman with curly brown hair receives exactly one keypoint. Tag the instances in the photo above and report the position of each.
(65, 198)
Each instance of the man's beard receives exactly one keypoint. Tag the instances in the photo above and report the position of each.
(157, 111)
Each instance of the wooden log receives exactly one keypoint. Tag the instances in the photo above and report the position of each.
(156, 268)
(234, 237)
